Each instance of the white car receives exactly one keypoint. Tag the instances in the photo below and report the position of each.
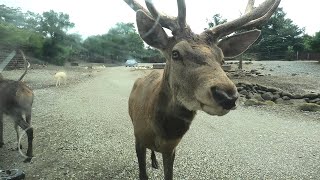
(131, 63)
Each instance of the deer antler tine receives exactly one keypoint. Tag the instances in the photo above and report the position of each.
(250, 19)
(152, 9)
(181, 13)
(262, 19)
(164, 20)
(169, 22)
(135, 6)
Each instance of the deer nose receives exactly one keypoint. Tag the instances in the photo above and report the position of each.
(225, 99)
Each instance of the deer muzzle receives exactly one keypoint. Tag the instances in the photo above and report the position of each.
(226, 99)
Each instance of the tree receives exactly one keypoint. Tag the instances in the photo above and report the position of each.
(54, 26)
(32, 21)
(306, 42)
(315, 42)
(279, 36)
(216, 20)
(120, 43)
(11, 15)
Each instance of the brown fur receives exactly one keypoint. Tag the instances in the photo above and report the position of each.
(163, 104)
(16, 100)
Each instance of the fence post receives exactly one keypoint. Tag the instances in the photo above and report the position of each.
(240, 62)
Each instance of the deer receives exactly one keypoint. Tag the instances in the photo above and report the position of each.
(163, 104)
(16, 100)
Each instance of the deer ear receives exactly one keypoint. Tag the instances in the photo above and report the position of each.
(151, 31)
(239, 43)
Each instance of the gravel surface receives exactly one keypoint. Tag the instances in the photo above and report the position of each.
(83, 131)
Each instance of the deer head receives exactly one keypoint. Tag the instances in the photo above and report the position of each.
(193, 72)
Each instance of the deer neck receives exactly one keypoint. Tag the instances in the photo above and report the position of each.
(172, 117)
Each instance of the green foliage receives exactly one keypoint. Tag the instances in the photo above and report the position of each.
(11, 15)
(306, 42)
(55, 24)
(315, 42)
(43, 36)
(120, 43)
(216, 20)
(10, 35)
(290, 53)
(152, 56)
(279, 38)
(57, 47)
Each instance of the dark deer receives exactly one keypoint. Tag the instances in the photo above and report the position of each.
(163, 104)
(16, 100)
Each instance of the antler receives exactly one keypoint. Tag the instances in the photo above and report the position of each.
(172, 23)
(253, 18)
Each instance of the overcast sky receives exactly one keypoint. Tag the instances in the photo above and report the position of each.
(97, 16)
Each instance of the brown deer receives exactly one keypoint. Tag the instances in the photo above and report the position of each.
(163, 104)
(16, 99)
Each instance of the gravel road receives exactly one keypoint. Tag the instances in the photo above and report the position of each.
(83, 131)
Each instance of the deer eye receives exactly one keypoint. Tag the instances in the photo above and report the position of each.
(176, 55)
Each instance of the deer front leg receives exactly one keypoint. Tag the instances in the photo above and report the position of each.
(141, 154)
(154, 161)
(1, 130)
(168, 159)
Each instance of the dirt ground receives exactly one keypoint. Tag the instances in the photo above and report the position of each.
(83, 131)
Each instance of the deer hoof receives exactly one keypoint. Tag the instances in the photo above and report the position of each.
(155, 164)
(27, 160)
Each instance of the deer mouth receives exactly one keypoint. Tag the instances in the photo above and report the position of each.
(213, 110)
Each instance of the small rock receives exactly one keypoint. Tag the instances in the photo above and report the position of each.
(261, 91)
(264, 88)
(311, 96)
(254, 89)
(312, 107)
(271, 89)
(269, 103)
(267, 96)
(279, 101)
(314, 100)
(258, 97)
(286, 98)
(244, 92)
(250, 95)
(286, 94)
(276, 96)
(297, 96)
(253, 102)
(240, 88)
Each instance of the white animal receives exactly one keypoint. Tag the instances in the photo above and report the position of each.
(60, 76)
